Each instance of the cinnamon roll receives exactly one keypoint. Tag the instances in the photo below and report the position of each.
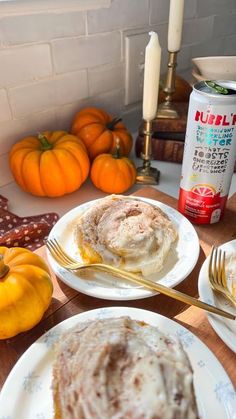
(119, 368)
(125, 232)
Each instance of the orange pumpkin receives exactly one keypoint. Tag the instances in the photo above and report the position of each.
(25, 290)
(112, 173)
(52, 164)
(98, 130)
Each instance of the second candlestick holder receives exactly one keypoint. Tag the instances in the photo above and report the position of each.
(146, 174)
(167, 109)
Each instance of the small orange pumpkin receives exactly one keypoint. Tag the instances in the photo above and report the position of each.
(52, 164)
(98, 130)
(25, 290)
(112, 173)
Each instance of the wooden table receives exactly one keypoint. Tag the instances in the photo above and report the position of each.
(66, 302)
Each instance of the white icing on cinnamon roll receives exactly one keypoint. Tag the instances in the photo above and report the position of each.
(125, 232)
(119, 368)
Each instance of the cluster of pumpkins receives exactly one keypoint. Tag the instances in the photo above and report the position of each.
(57, 163)
(54, 164)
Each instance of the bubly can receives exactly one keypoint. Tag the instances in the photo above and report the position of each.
(210, 151)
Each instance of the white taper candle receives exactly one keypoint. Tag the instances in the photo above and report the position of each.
(151, 77)
(176, 14)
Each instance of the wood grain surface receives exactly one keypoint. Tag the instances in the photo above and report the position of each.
(66, 302)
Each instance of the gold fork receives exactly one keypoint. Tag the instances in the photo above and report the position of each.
(69, 263)
(217, 274)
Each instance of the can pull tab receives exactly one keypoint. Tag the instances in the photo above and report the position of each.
(219, 89)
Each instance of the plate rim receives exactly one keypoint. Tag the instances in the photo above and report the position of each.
(147, 293)
(203, 284)
(132, 310)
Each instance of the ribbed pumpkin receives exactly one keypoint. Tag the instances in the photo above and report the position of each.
(98, 130)
(52, 164)
(112, 173)
(25, 290)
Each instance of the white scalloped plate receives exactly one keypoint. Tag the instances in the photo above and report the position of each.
(27, 393)
(179, 263)
(225, 328)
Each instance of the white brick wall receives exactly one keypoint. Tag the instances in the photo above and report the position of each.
(121, 14)
(105, 78)
(229, 44)
(224, 24)
(36, 97)
(214, 7)
(14, 130)
(22, 64)
(87, 51)
(197, 30)
(15, 30)
(55, 61)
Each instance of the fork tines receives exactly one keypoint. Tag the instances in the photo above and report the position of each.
(216, 267)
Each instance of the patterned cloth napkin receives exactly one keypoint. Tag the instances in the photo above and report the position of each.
(29, 232)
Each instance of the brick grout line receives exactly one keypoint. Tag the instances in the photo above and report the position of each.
(9, 102)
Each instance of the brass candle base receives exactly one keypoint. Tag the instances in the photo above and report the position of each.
(146, 174)
(167, 109)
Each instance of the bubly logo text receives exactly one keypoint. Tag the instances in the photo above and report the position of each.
(211, 119)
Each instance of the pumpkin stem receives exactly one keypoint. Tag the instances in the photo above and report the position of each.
(4, 269)
(117, 152)
(45, 145)
(111, 125)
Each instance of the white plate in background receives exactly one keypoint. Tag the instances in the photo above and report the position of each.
(179, 263)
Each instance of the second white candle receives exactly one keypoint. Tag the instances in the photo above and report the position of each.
(175, 25)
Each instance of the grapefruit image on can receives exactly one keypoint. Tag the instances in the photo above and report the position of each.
(204, 189)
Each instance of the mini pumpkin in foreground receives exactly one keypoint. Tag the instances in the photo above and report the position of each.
(112, 173)
(25, 290)
(52, 164)
(99, 130)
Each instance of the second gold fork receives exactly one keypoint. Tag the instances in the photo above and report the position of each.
(217, 274)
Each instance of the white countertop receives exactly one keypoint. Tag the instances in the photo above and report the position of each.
(22, 203)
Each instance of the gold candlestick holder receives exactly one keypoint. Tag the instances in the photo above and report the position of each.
(166, 109)
(146, 174)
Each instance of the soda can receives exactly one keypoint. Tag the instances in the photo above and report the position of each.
(209, 151)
